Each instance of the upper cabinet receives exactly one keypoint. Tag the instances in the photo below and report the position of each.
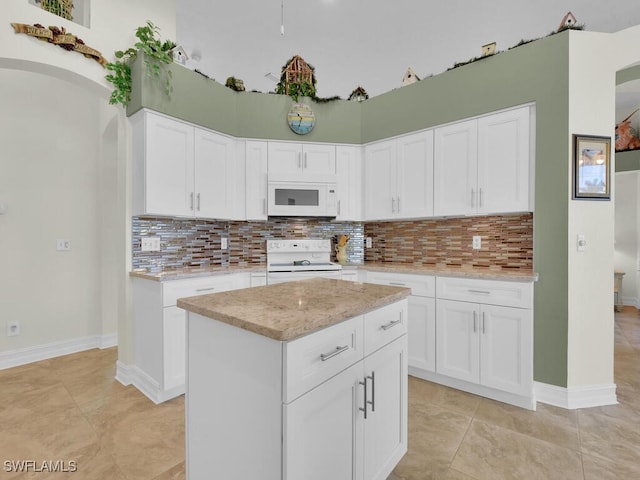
(182, 170)
(399, 177)
(256, 180)
(349, 182)
(482, 166)
(301, 159)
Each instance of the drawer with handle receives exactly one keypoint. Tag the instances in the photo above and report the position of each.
(310, 360)
(491, 292)
(172, 290)
(420, 285)
(384, 325)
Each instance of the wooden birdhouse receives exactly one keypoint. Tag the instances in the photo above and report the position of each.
(358, 95)
(567, 21)
(297, 71)
(179, 55)
(489, 49)
(410, 77)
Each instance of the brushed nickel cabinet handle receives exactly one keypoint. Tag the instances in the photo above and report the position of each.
(205, 289)
(326, 356)
(475, 321)
(389, 325)
(198, 197)
(484, 292)
(364, 409)
(191, 205)
(372, 377)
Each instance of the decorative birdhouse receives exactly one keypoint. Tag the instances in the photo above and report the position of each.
(296, 72)
(488, 49)
(358, 95)
(410, 77)
(179, 55)
(567, 21)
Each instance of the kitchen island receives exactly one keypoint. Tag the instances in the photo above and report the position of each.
(300, 380)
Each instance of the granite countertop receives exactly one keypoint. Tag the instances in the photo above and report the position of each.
(286, 311)
(193, 272)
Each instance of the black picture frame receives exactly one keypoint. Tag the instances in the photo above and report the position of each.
(591, 167)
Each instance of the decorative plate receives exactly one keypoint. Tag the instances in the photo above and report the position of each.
(301, 118)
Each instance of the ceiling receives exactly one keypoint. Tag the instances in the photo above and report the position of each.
(372, 42)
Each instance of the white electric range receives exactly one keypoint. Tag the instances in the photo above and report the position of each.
(289, 260)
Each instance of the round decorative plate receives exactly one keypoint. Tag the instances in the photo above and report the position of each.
(301, 118)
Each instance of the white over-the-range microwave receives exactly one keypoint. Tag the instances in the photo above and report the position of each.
(293, 196)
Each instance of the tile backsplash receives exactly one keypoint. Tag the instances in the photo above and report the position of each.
(507, 241)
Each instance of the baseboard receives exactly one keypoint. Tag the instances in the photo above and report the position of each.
(132, 375)
(23, 356)
(573, 398)
(630, 301)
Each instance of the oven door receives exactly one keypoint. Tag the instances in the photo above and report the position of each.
(281, 277)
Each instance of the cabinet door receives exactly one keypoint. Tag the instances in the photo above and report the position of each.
(503, 162)
(318, 159)
(285, 158)
(506, 349)
(385, 428)
(457, 340)
(455, 168)
(323, 430)
(349, 182)
(256, 180)
(414, 197)
(380, 180)
(174, 340)
(215, 179)
(422, 333)
(168, 166)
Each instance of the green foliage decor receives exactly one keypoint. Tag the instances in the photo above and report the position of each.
(156, 53)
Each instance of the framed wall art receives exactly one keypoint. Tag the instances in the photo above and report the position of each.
(591, 167)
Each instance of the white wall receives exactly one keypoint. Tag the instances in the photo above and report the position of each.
(627, 233)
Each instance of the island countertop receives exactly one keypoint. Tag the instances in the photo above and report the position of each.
(286, 311)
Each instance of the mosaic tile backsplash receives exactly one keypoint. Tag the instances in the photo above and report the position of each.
(507, 241)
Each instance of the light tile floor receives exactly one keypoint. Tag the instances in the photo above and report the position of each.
(71, 408)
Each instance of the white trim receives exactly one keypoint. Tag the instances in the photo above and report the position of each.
(22, 356)
(630, 301)
(573, 398)
(133, 375)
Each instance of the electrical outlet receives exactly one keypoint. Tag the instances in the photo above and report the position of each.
(477, 242)
(63, 245)
(150, 244)
(224, 243)
(13, 328)
(582, 243)
(369, 242)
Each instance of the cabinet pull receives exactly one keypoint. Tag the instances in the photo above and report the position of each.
(389, 325)
(372, 377)
(364, 409)
(305, 159)
(484, 292)
(398, 204)
(480, 197)
(338, 207)
(264, 206)
(483, 324)
(393, 205)
(326, 356)
(205, 289)
(198, 197)
(191, 207)
(475, 321)
(397, 284)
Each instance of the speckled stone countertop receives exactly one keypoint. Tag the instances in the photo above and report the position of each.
(193, 272)
(286, 311)
(449, 271)
(440, 271)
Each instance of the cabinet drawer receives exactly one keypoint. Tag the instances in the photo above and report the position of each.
(492, 292)
(310, 360)
(420, 285)
(174, 289)
(384, 325)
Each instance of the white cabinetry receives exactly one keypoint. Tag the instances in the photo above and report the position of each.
(332, 404)
(399, 177)
(482, 166)
(182, 170)
(159, 330)
(422, 317)
(349, 182)
(485, 333)
(256, 180)
(301, 159)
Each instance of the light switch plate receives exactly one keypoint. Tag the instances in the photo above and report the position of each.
(369, 242)
(150, 244)
(477, 242)
(224, 243)
(63, 245)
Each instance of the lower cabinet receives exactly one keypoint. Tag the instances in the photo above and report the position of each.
(329, 405)
(159, 341)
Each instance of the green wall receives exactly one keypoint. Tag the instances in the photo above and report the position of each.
(536, 72)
